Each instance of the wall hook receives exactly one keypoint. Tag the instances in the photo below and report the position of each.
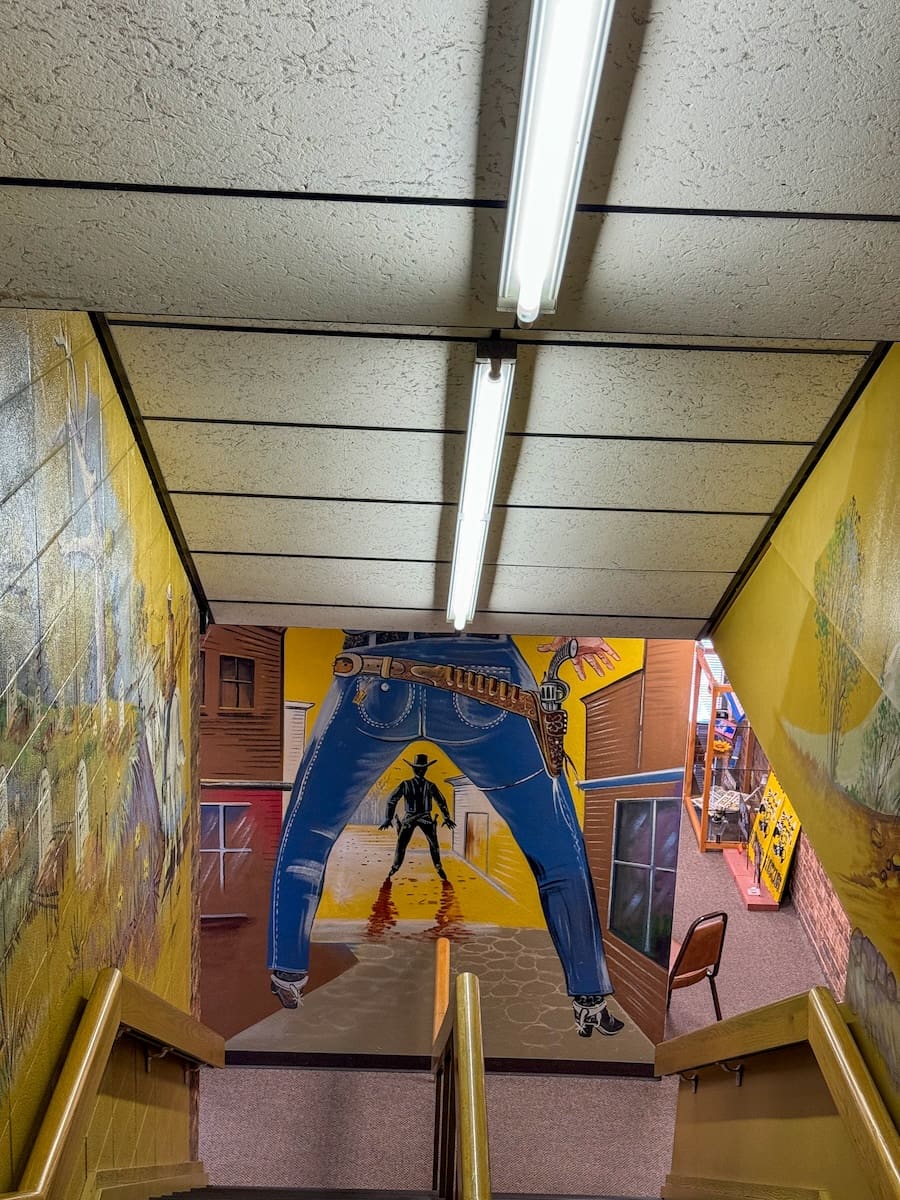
(736, 1071)
(149, 1055)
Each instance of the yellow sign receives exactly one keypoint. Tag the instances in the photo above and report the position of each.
(774, 835)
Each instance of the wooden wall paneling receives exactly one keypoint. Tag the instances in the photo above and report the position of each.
(613, 724)
(244, 744)
(666, 703)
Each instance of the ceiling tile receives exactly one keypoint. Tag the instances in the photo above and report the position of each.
(583, 590)
(646, 475)
(419, 384)
(526, 589)
(319, 581)
(518, 536)
(357, 97)
(758, 105)
(680, 393)
(314, 527)
(308, 462)
(754, 277)
(298, 377)
(362, 617)
(226, 257)
(320, 260)
(535, 471)
(565, 538)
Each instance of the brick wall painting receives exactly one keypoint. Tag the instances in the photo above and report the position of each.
(821, 915)
(97, 630)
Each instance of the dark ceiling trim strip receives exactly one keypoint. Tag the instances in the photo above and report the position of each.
(493, 612)
(655, 210)
(331, 557)
(687, 512)
(517, 335)
(132, 412)
(756, 551)
(445, 562)
(510, 433)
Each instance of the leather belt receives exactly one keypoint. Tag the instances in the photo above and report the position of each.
(549, 727)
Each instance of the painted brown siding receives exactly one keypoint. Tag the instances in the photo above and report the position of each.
(612, 736)
(637, 724)
(241, 936)
(667, 693)
(243, 744)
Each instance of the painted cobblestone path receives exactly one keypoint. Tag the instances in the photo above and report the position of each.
(383, 1003)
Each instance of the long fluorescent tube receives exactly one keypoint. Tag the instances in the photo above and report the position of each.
(566, 48)
(491, 389)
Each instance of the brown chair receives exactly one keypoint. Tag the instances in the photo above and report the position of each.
(698, 956)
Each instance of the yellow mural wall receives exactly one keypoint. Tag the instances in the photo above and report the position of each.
(97, 633)
(308, 659)
(812, 646)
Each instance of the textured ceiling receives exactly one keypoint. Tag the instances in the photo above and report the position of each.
(297, 214)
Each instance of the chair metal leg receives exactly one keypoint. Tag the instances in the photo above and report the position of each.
(715, 996)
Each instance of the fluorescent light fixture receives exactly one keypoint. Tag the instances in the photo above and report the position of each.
(492, 382)
(566, 48)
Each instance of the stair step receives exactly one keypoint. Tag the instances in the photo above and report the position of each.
(247, 1193)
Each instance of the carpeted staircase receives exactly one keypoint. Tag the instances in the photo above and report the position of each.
(221, 1193)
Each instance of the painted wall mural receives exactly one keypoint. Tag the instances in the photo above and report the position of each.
(96, 632)
(813, 646)
(436, 793)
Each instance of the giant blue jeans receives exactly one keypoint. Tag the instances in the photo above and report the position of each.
(362, 727)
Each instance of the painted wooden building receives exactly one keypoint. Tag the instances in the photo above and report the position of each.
(241, 804)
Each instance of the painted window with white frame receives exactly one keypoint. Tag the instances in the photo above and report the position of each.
(225, 833)
(645, 855)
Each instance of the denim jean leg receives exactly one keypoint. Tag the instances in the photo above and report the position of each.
(499, 753)
(340, 763)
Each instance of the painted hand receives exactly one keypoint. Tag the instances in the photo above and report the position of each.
(385, 824)
(596, 652)
(448, 823)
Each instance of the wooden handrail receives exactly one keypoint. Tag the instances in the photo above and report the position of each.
(474, 1158)
(461, 1155)
(855, 1094)
(115, 1005)
(443, 1038)
(441, 984)
(814, 1017)
(781, 1024)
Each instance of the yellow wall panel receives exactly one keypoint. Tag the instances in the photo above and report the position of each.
(96, 620)
(812, 646)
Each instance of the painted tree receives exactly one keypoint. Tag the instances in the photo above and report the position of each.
(878, 782)
(839, 623)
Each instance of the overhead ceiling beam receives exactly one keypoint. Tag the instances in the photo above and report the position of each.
(132, 412)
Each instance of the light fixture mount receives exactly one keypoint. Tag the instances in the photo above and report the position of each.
(496, 350)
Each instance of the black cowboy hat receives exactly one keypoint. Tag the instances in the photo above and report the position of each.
(421, 760)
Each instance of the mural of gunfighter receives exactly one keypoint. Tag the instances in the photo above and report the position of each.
(474, 696)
